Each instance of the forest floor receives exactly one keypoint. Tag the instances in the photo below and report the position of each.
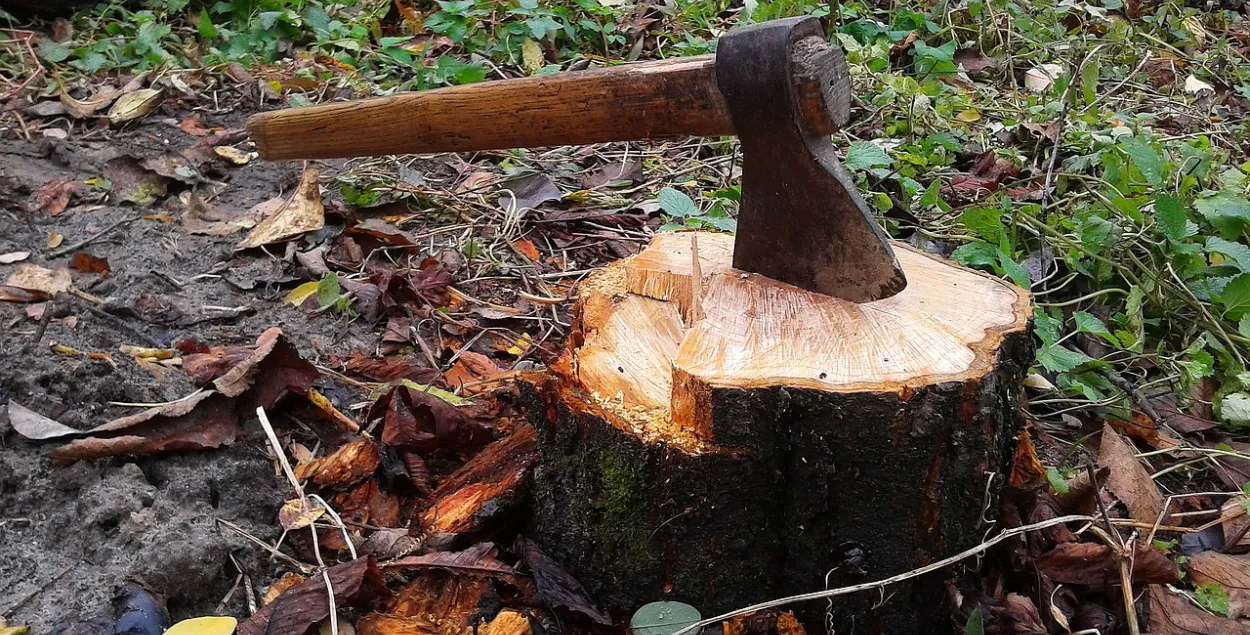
(1094, 153)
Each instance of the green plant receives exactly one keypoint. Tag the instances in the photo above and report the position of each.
(682, 212)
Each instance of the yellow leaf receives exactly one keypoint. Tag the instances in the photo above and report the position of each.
(301, 213)
(969, 116)
(234, 155)
(299, 512)
(14, 630)
(55, 239)
(299, 294)
(210, 625)
(162, 218)
(531, 56)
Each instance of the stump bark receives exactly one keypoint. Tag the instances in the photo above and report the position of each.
(721, 438)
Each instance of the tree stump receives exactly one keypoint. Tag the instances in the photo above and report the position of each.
(720, 438)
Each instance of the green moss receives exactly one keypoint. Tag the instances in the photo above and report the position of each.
(617, 516)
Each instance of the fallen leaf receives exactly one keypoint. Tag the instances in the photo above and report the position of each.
(528, 192)
(91, 105)
(13, 256)
(1231, 572)
(1128, 480)
(1020, 613)
(1172, 615)
(526, 248)
(287, 581)
(299, 513)
(416, 420)
(171, 165)
(349, 464)
(1039, 79)
(54, 240)
(10, 293)
(268, 371)
(484, 491)
(192, 125)
(385, 544)
(52, 197)
(1195, 86)
(555, 586)
(135, 104)
(133, 183)
(83, 261)
(35, 278)
(1027, 471)
(973, 61)
(199, 217)
(327, 409)
(204, 421)
(300, 294)
(1096, 565)
(476, 180)
(615, 172)
(480, 559)
(234, 155)
(298, 608)
(301, 213)
(33, 425)
(388, 369)
(209, 625)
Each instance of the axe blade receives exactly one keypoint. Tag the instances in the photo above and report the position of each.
(801, 220)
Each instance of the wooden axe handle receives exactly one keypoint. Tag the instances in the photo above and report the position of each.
(666, 98)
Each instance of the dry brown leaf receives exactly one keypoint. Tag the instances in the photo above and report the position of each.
(301, 213)
(287, 581)
(555, 586)
(298, 608)
(526, 248)
(134, 104)
(206, 420)
(470, 368)
(298, 513)
(511, 622)
(192, 125)
(1095, 564)
(200, 217)
(33, 425)
(1172, 615)
(81, 109)
(1027, 472)
(35, 278)
(52, 197)
(1128, 480)
(385, 544)
(83, 261)
(480, 559)
(1234, 519)
(17, 294)
(1230, 572)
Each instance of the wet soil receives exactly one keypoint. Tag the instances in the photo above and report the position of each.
(70, 535)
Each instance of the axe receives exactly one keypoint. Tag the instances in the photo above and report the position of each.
(777, 85)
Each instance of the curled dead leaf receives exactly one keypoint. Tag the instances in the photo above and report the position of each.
(298, 513)
(135, 104)
(35, 278)
(302, 213)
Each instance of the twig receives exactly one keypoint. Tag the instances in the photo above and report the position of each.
(277, 449)
(880, 584)
(303, 567)
(38, 72)
(57, 253)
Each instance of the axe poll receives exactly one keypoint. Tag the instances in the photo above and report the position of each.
(779, 86)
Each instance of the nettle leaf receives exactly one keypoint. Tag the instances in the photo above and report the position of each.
(50, 51)
(1226, 210)
(1200, 365)
(1148, 162)
(676, 203)
(1171, 218)
(1236, 297)
(1058, 359)
(985, 223)
(1048, 328)
(1213, 598)
(865, 154)
(1088, 323)
(1237, 252)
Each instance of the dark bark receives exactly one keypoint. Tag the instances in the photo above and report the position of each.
(859, 486)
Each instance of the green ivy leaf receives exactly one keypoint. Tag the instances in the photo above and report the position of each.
(676, 203)
(1145, 158)
(865, 154)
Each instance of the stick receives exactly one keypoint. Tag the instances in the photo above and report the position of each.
(929, 568)
(57, 253)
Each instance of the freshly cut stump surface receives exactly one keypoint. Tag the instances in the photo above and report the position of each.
(721, 438)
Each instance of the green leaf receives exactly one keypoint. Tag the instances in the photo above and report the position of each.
(1224, 206)
(1056, 481)
(1236, 297)
(976, 623)
(1087, 323)
(1235, 409)
(1017, 273)
(1238, 253)
(1213, 598)
(1058, 359)
(676, 203)
(1145, 158)
(663, 618)
(1048, 329)
(985, 223)
(50, 51)
(328, 289)
(1089, 81)
(865, 154)
(976, 255)
(205, 26)
(1170, 217)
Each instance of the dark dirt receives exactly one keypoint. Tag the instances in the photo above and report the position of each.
(70, 535)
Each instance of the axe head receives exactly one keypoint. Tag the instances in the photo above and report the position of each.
(801, 220)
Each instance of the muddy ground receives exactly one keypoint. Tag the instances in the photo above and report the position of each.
(69, 535)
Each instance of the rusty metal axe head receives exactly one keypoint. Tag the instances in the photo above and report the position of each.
(801, 220)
